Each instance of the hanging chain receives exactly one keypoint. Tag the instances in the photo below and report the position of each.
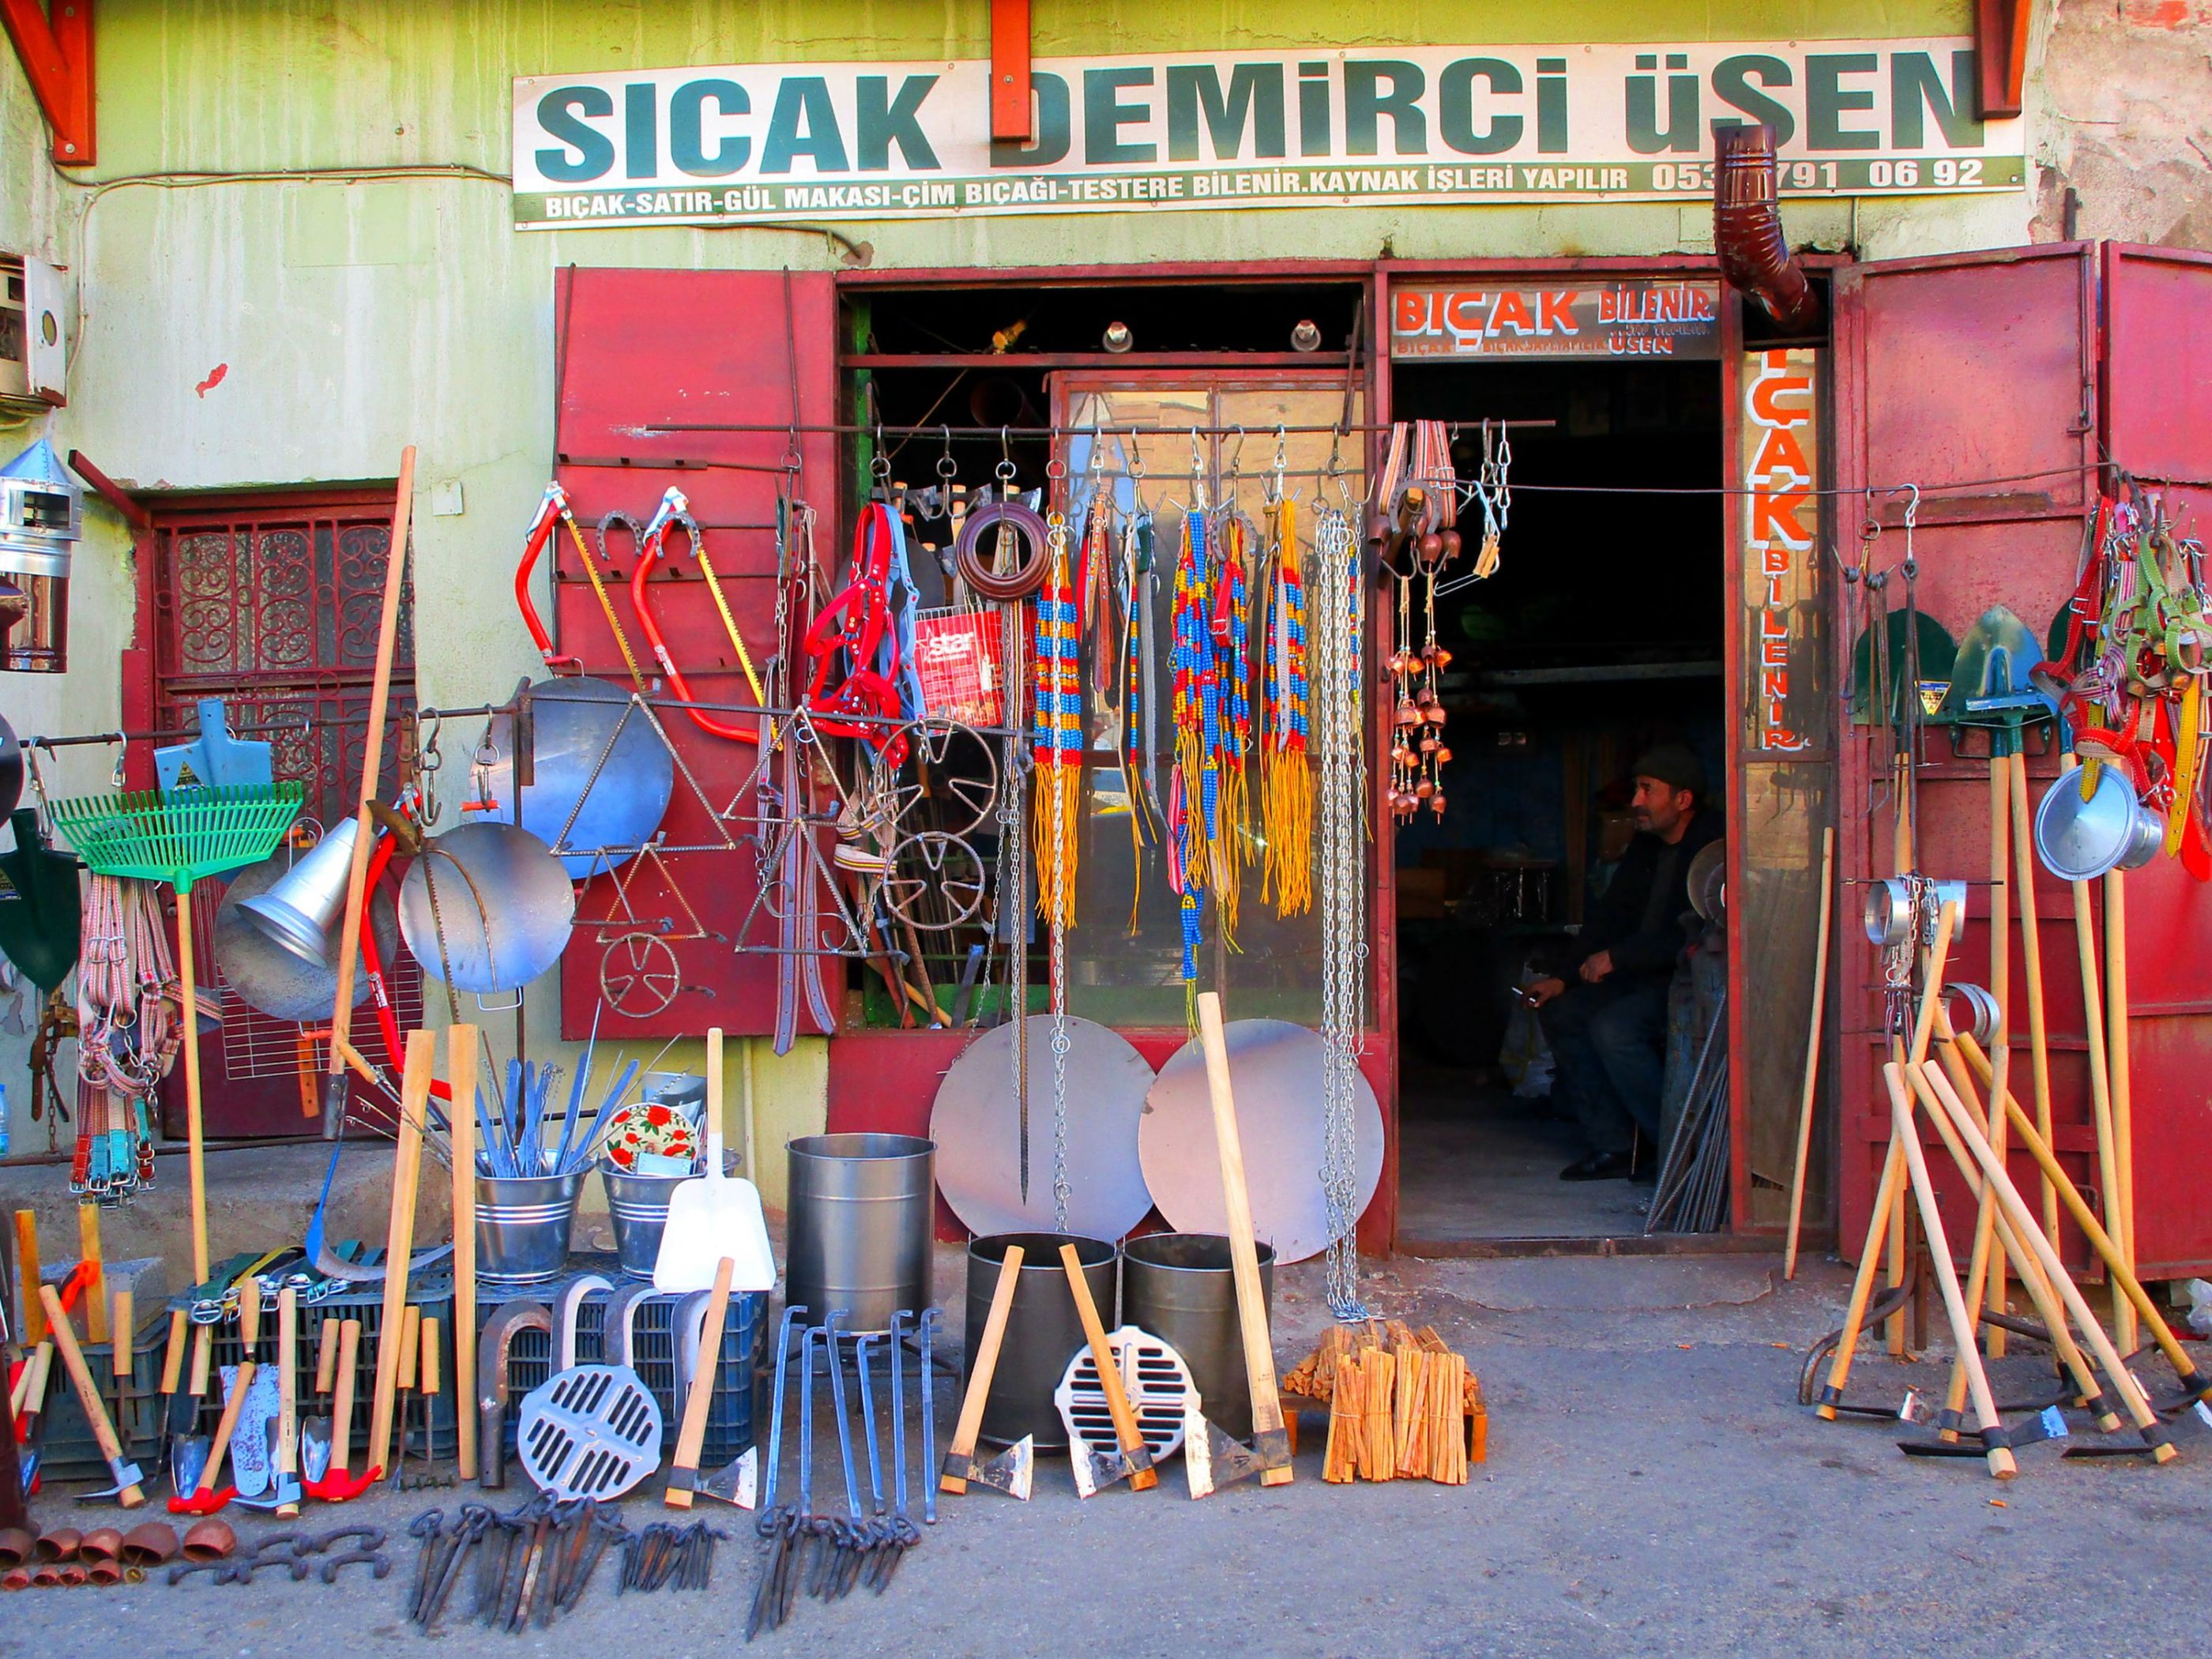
(1012, 907)
(1339, 738)
(1059, 909)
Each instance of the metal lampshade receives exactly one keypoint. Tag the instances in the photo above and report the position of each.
(297, 911)
(41, 513)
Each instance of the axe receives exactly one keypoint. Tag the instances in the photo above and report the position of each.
(127, 1475)
(1210, 1458)
(1010, 1472)
(699, 1398)
(1131, 1459)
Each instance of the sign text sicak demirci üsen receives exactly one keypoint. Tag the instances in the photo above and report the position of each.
(1435, 125)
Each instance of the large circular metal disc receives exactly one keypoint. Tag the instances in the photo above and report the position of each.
(976, 1124)
(1274, 1070)
(572, 721)
(267, 977)
(505, 900)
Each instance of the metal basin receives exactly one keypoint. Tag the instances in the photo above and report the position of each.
(2080, 839)
(504, 901)
(861, 1210)
(280, 983)
(1043, 1329)
(618, 794)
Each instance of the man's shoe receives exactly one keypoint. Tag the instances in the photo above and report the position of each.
(1598, 1166)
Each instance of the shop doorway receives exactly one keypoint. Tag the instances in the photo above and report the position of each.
(1602, 636)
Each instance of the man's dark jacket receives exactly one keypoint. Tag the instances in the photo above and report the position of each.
(1638, 917)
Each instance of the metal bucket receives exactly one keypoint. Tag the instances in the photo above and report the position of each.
(862, 1206)
(639, 1205)
(1180, 1287)
(522, 1226)
(1043, 1330)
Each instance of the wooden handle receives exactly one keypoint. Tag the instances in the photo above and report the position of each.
(714, 1125)
(227, 1426)
(411, 1344)
(700, 1397)
(1126, 1430)
(123, 1355)
(87, 1394)
(342, 1401)
(96, 1328)
(26, 1278)
(287, 1379)
(399, 1242)
(326, 1357)
(970, 1423)
(249, 1317)
(1243, 1253)
(195, 1142)
(30, 1393)
(172, 1362)
(202, 1359)
(461, 1073)
(1811, 1090)
(433, 1375)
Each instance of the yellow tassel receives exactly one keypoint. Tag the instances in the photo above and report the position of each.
(1290, 824)
(1056, 807)
(1235, 820)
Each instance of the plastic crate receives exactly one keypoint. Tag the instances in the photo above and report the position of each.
(432, 1291)
(67, 1450)
(730, 1419)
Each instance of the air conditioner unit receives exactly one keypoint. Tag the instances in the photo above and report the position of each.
(31, 333)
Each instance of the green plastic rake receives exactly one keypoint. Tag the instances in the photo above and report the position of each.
(179, 839)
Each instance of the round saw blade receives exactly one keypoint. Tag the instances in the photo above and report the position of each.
(1274, 1070)
(976, 1124)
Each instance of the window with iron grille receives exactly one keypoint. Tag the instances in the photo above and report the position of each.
(271, 603)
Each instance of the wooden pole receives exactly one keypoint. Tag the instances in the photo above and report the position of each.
(2123, 1088)
(461, 1125)
(970, 1421)
(196, 1152)
(95, 1292)
(1243, 1252)
(399, 1244)
(27, 1279)
(2100, 1095)
(2038, 1028)
(287, 1388)
(1812, 1048)
(379, 698)
(1992, 1288)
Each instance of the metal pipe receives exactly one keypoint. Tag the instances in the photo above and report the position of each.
(1754, 255)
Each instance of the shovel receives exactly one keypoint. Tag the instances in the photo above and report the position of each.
(716, 1216)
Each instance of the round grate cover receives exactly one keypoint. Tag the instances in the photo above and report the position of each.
(590, 1431)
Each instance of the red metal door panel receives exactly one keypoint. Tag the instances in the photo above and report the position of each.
(647, 358)
(1972, 376)
(2158, 426)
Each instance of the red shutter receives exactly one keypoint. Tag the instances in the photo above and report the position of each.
(637, 351)
(2158, 426)
(1974, 376)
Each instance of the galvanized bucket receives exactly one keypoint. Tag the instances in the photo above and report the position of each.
(1180, 1288)
(522, 1226)
(862, 1207)
(639, 1206)
(1043, 1330)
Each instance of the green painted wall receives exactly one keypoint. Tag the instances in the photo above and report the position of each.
(352, 314)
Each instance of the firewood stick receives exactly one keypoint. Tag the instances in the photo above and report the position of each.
(406, 1171)
(1812, 1050)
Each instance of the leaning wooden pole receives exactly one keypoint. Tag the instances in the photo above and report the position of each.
(1812, 1048)
(372, 765)
(2123, 1191)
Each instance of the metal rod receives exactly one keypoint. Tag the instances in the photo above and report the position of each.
(304, 725)
(1251, 430)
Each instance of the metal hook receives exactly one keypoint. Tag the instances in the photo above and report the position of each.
(1282, 452)
(122, 750)
(1197, 459)
(1236, 458)
(947, 468)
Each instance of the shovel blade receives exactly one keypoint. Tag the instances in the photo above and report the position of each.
(315, 1447)
(188, 1457)
(735, 1483)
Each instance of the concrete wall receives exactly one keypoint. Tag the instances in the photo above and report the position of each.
(353, 273)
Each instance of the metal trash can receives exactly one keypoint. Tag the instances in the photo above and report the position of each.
(522, 1226)
(862, 1207)
(1043, 1330)
(1180, 1288)
(638, 1204)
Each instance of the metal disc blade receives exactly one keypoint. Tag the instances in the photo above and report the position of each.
(1274, 1069)
(619, 794)
(976, 1124)
(265, 975)
(505, 902)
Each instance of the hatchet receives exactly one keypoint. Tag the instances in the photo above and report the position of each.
(1132, 1459)
(1011, 1470)
(1211, 1459)
(127, 1475)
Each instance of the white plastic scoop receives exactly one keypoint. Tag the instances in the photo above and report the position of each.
(714, 1216)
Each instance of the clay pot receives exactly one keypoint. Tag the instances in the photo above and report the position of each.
(149, 1544)
(60, 1544)
(100, 1544)
(74, 1575)
(15, 1578)
(16, 1546)
(45, 1575)
(104, 1573)
(209, 1540)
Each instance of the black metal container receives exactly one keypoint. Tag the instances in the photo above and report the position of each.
(1180, 1287)
(1043, 1330)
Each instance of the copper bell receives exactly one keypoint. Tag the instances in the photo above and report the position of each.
(1431, 548)
(1435, 714)
(1428, 743)
(1437, 802)
(1424, 789)
(1452, 544)
(1408, 715)
(1443, 755)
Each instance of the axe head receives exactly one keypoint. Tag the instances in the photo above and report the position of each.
(1212, 1458)
(1094, 1468)
(128, 1478)
(284, 1490)
(737, 1482)
(1010, 1472)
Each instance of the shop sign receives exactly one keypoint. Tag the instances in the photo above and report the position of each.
(1635, 317)
(1445, 126)
(1778, 434)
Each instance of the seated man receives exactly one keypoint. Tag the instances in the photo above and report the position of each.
(1607, 1023)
